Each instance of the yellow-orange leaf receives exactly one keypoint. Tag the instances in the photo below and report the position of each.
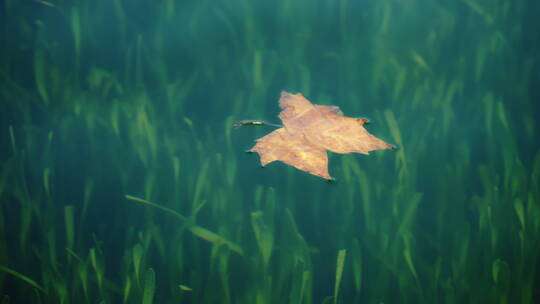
(308, 131)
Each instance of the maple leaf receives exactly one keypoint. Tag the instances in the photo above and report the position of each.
(308, 131)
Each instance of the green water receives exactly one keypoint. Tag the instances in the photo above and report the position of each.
(122, 179)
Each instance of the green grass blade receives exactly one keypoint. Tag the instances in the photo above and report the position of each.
(518, 207)
(149, 287)
(46, 180)
(70, 226)
(88, 189)
(168, 210)
(306, 275)
(127, 290)
(75, 23)
(356, 261)
(263, 235)
(39, 75)
(212, 237)
(22, 277)
(137, 258)
(201, 182)
(201, 232)
(339, 272)
(97, 268)
(12, 139)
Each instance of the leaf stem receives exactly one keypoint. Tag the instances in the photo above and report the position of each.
(255, 122)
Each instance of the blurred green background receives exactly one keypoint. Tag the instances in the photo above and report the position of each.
(123, 181)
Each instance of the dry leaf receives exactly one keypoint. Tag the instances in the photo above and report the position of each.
(308, 131)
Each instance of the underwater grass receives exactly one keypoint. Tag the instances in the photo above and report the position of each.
(22, 277)
(149, 286)
(451, 216)
(196, 230)
(339, 272)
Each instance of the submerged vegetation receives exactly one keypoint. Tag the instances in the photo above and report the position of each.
(123, 181)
